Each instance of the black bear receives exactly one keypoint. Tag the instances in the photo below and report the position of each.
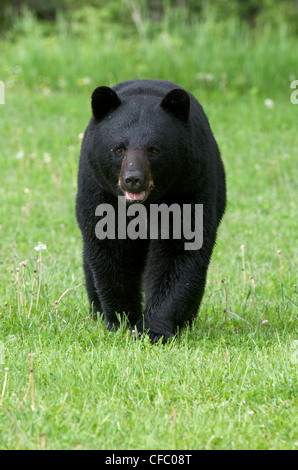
(148, 144)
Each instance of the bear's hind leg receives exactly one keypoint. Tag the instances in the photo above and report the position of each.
(95, 305)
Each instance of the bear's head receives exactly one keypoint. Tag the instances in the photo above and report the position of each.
(139, 142)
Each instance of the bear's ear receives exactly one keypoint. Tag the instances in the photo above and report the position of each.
(103, 100)
(177, 102)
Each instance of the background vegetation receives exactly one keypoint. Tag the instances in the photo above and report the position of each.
(251, 11)
(231, 381)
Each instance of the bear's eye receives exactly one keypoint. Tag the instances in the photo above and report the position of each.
(153, 151)
(119, 150)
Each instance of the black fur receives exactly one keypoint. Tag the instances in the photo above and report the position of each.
(148, 136)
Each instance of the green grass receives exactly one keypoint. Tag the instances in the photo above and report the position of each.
(219, 385)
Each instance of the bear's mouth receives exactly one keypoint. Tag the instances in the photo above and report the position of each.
(135, 197)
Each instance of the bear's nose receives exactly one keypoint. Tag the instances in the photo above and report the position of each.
(133, 180)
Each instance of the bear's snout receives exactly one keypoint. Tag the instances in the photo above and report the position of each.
(135, 175)
(133, 180)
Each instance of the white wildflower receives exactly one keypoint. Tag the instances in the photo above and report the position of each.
(40, 246)
(207, 77)
(47, 157)
(46, 91)
(20, 155)
(269, 103)
(84, 81)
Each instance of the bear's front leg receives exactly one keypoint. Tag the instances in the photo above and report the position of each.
(174, 285)
(115, 283)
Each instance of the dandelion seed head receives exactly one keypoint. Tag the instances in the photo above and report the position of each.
(40, 246)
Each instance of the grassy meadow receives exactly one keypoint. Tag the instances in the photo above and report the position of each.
(230, 382)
